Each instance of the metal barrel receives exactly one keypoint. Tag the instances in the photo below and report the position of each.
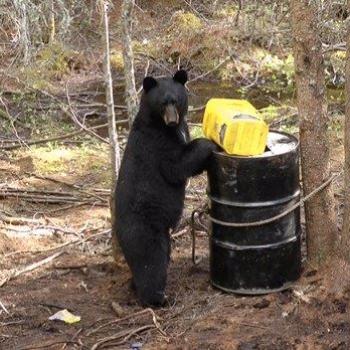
(262, 258)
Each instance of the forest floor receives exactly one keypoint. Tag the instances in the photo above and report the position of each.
(83, 277)
(55, 241)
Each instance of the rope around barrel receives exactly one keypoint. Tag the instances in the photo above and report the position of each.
(281, 215)
(202, 211)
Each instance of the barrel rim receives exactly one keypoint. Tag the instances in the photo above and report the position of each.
(283, 200)
(261, 156)
(256, 291)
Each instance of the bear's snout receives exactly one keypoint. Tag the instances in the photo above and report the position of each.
(171, 116)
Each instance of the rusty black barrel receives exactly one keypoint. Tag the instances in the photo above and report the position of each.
(264, 258)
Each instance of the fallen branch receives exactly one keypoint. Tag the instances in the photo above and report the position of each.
(139, 313)
(14, 274)
(18, 220)
(39, 198)
(49, 345)
(127, 334)
(335, 47)
(54, 193)
(60, 246)
(56, 138)
(3, 307)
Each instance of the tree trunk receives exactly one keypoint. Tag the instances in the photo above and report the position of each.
(314, 138)
(345, 237)
(128, 57)
(113, 137)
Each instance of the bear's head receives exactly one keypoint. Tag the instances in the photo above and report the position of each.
(166, 98)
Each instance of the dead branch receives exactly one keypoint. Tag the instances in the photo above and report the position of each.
(336, 47)
(56, 138)
(126, 334)
(60, 246)
(238, 12)
(77, 122)
(18, 220)
(39, 198)
(199, 77)
(3, 307)
(78, 188)
(136, 314)
(179, 233)
(15, 273)
(48, 345)
(43, 192)
(66, 207)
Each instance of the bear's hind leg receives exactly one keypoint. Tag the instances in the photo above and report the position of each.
(148, 257)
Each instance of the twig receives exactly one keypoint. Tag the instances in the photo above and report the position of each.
(18, 221)
(180, 233)
(29, 268)
(210, 71)
(55, 193)
(121, 334)
(40, 198)
(76, 120)
(24, 190)
(196, 109)
(3, 307)
(56, 138)
(5, 324)
(37, 142)
(60, 246)
(139, 313)
(47, 345)
(66, 207)
(238, 12)
(252, 325)
(335, 47)
(74, 337)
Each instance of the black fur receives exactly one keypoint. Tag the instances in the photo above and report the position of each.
(150, 190)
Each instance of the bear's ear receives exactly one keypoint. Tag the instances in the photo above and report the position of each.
(149, 83)
(181, 76)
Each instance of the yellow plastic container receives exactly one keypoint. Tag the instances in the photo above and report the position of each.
(236, 126)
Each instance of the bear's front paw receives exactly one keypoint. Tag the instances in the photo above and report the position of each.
(209, 145)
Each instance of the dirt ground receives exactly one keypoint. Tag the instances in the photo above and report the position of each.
(83, 278)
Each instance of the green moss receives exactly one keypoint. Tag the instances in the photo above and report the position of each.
(53, 158)
(184, 23)
(196, 132)
(226, 12)
(117, 60)
(270, 113)
(150, 48)
(52, 62)
(287, 115)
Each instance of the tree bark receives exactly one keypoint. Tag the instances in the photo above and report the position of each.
(314, 138)
(115, 151)
(345, 237)
(132, 100)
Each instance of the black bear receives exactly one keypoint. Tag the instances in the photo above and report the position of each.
(150, 190)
